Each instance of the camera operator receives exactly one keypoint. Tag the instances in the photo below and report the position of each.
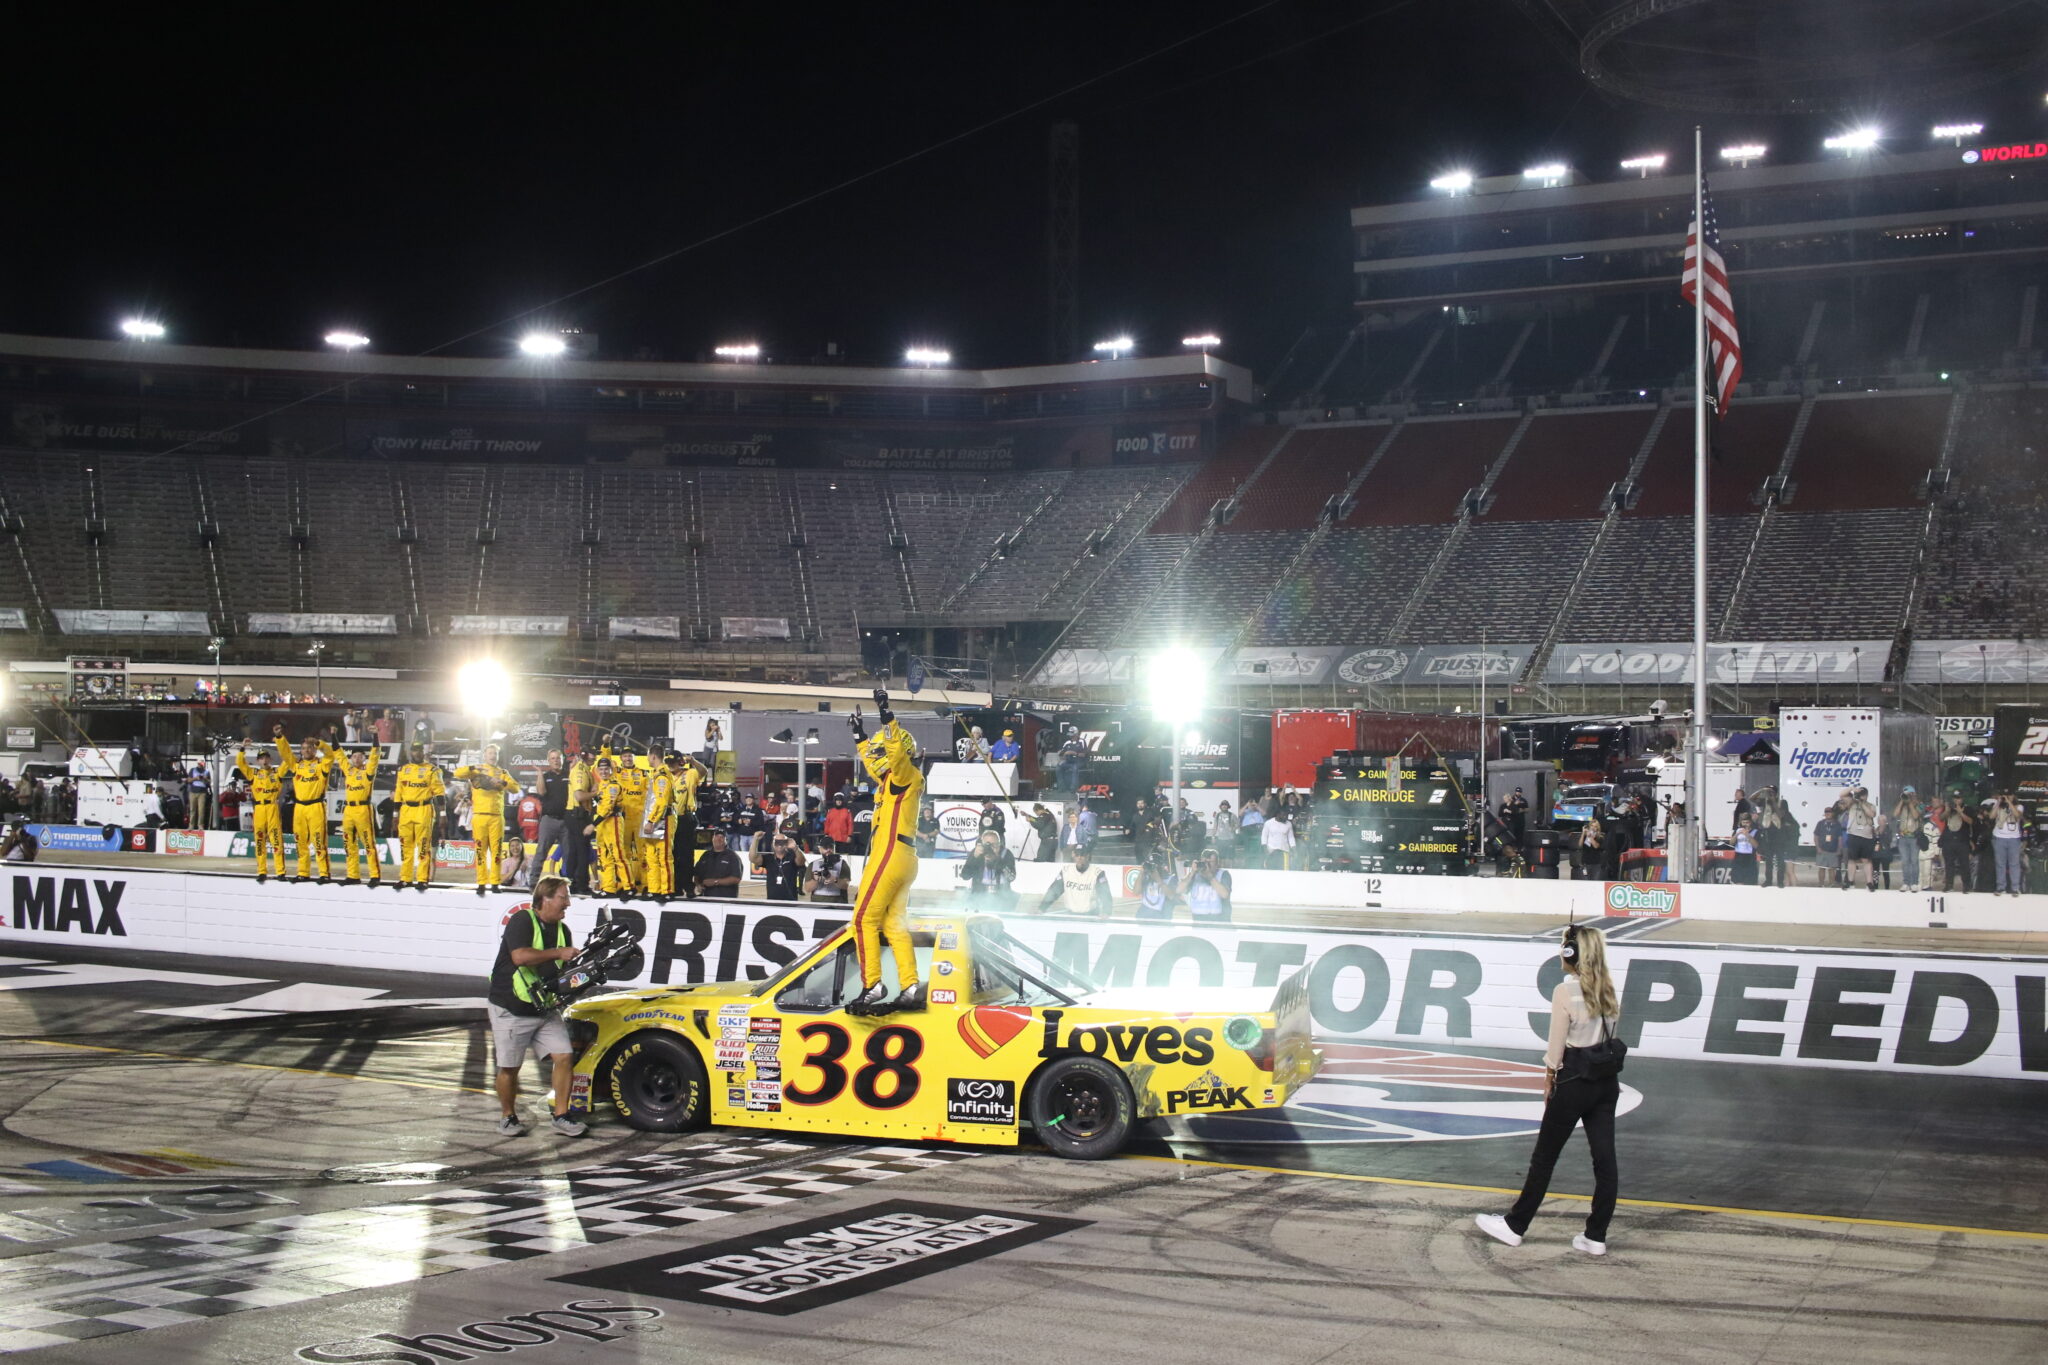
(783, 868)
(534, 943)
(829, 879)
(1208, 889)
(17, 845)
(989, 871)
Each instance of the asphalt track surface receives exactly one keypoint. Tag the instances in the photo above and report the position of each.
(186, 1180)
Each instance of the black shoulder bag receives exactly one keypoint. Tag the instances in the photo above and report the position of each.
(1600, 1062)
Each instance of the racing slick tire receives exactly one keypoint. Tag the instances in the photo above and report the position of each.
(1081, 1108)
(658, 1084)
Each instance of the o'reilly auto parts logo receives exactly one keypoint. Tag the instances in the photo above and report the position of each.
(590, 1320)
(826, 1260)
(972, 1101)
(1643, 900)
(1374, 665)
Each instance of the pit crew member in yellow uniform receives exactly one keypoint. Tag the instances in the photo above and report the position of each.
(656, 828)
(608, 831)
(881, 912)
(266, 784)
(488, 784)
(632, 780)
(308, 774)
(358, 818)
(418, 786)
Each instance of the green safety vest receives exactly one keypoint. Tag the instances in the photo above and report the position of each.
(524, 979)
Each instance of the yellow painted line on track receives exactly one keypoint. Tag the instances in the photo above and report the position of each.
(1631, 1203)
(254, 1066)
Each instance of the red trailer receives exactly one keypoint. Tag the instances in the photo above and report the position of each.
(1302, 739)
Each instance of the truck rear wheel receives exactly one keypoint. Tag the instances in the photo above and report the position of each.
(1081, 1108)
(658, 1084)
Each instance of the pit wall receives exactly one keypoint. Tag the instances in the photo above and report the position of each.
(1871, 1011)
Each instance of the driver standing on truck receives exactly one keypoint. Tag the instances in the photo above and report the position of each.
(530, 952)
(882, 912)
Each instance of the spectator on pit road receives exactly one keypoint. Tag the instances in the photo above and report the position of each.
(1249, 822)
(1277, 838)
(1909, 823)
(719, 871)
(1223, 826)
(552, 786)
(1742, 808)
(1777, 837)
(1589, 859)
(1859, 840)
(1514, 814)
(1087, 829)
(782, 867)
(199, 796)
(2008, 843)
(1746, 855)
(1957, 834)
(1827, 847)
(839, 826)
(1045, 829)
(1073, 752)
(992, 818)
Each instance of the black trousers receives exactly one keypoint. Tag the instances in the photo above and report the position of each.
(1774, 865)
(683, 851)
(576, 854)
(1573, 1102)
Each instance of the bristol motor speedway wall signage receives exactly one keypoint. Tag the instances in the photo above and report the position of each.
(1977, 661)
(1736, 664)
(1309, 664)
(1425, 665)
(1889, 1011)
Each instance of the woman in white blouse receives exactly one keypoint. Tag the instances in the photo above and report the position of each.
(1583, 1011)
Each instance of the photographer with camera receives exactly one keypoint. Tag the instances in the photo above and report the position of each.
(989, 871)
(782, 867)
(522, 1011)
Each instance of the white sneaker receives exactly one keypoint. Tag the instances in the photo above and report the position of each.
(510, 1126)
(1496, 1227)
(1586, 1244)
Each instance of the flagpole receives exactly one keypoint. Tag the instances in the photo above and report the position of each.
(1696, 797)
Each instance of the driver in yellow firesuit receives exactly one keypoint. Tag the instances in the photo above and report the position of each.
(308, 774)
(882, 912)
(265, 786)
(488, 784)
(358, 820)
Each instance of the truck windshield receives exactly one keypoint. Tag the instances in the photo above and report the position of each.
(1025, 975)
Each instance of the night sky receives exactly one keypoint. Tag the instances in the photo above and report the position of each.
(420, 175)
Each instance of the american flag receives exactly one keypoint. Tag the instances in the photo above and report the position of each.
(1724, 344)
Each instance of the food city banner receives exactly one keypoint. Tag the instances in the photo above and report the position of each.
(645, 627)
(1738, 664)
(1977, 661)
(322, 623)
(97, 621)
(1107, 667)
(508, 625)
(1889, 1011)
(1159, 443)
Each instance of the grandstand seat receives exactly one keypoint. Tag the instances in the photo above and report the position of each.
(1506, 579)
(1350, 587)
(1430, 464)
(1639, 585)
(1829, 576)
(1867, 450)
(1221, 476)
(1566, 462)
(1314, 463)
(1218, 585)
(1748, 446)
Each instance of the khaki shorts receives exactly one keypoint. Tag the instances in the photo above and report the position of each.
(512, 1034)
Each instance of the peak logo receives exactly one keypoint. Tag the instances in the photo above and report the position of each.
(1643, 900)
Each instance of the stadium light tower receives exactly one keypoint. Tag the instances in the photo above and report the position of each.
(317, 649)
(1452, 182)
(1643, 165)
(928, 356)
(1549, 173)
(1742, 153)
(1205, 343)
(1956, 132)
(1855, 140)
(543, 345)
(1176, 683)
(345, 340)
(484, 688)
(142, 329)
(738, 351)
(1116, 348)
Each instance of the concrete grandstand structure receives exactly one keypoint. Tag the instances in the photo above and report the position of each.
(1495, 451)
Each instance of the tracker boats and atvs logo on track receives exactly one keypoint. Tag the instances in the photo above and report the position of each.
(1392, 1094)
